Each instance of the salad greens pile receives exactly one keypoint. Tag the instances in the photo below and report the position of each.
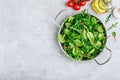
(82, 36)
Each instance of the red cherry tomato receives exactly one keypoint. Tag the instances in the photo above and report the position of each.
(70, 3)
(82, 3)
(76, 7)
(75, 1)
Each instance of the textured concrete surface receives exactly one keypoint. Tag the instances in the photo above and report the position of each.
(29, 48)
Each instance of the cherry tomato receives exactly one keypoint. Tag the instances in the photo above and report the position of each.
(76, 7)
(82, 3)
(75, 1)
(70, 3)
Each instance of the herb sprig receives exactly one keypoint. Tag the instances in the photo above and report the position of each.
(113, 25)
(108, 18)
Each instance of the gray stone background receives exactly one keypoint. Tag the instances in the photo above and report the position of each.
(29, 48)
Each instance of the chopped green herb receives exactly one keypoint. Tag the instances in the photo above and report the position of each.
(108, 18)
(113, 25)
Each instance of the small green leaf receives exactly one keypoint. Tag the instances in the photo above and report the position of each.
(61, 38)
(81, 52)
(71, 45)
(91, 52)
(83, 42)
(90, 37)
(98, 44)
(94, 20)
(74, 51)
(67, 24)
(114, 35)
(77, 30)
(86, 48)
(70, 19)
(67, 31)
(100, 29)
(84, 34)
(77, 53)
(101, 36)
(78, 42)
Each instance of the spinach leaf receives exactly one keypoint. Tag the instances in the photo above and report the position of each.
(61, 38)
(90, 37)
(78, 42)
(101, 36)
(100, 29)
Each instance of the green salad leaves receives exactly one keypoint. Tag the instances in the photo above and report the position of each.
(82, 36)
